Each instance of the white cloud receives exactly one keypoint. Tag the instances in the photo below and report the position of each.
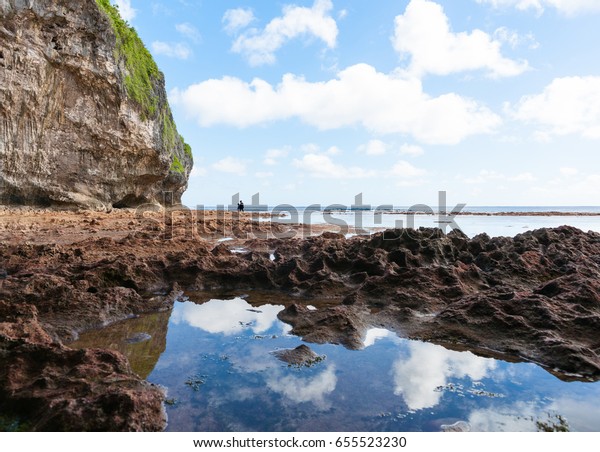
(227, 317)
(429, 367)
(405, 170)
(483, 177)
(189, 31)
(424, 33)
(302, 390)
(310, 148)
(568, 7)
(516, 418)
(321, 166)
(411, 149)
(276, 153)
(373, 147)
(519, 4)
(486, 176)
(236, 19)
(375, 334)
(272, 156)
(359, 95)
(128, 13)
(254, 359)
(333, 150)
(173, 50)
(378, 147)
(263, 175)
(231, 165)
(514, 39)
(569, 105)
(523, 177)
(566, 171)
(159, 9)
(569, 186)
(198, 171)
(583, 413)
(563, 190)
(259, 46)
(508, 36)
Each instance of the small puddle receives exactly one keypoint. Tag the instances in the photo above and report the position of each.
(143, 340)
(215, 357)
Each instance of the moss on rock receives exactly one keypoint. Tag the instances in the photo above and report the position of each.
(177, 166)
(144, 82)
(142, 72)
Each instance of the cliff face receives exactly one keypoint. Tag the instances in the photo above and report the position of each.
(84, 118)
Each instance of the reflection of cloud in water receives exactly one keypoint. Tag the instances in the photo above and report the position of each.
(227, 316)
(286, 328)
(430, 366)
(301, 390)
(254, 358)
(516, 418)
(581, 415)
(374, 334)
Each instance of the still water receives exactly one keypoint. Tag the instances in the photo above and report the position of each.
(215, 359)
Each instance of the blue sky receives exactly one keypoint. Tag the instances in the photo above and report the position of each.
(496, 102)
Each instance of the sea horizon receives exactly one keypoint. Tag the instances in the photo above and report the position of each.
(403, 208)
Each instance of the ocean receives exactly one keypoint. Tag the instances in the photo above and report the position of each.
(492, 220)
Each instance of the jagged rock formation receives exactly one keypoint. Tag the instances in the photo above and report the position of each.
(84, 119)
(534, 297)
(61, 389)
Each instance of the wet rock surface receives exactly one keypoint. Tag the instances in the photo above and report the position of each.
(63, 276)
(334, 325)
(60, 389)
(56, 388)
(299, 356)
(534, 297)
(460, 426)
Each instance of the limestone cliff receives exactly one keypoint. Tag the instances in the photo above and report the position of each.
(84, 118)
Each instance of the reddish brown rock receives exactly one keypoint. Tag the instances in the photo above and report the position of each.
(533, 297)
(55, 388)
(59, 389)
(299, 356)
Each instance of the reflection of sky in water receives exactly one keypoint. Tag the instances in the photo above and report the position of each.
(375, 334)
(429, 367)
(391, 385)
(312, 389)
(227, 316)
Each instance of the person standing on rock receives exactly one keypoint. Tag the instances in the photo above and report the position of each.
(241, 206)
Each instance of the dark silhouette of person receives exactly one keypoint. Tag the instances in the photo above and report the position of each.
(241, 206)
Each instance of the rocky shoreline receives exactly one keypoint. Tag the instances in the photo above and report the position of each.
(535, 297)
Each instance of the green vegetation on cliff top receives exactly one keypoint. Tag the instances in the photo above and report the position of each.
(142, 70)
(142, 80)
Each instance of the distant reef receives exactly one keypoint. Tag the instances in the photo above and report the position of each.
(84, 116)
